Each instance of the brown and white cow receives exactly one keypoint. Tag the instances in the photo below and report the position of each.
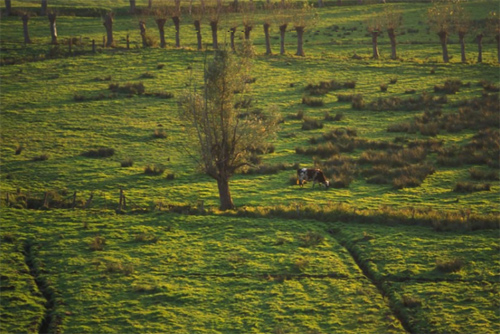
(311, 174)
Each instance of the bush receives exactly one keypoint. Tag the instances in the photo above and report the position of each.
(358, 102)
(41, 157)
(312, 102)
(154, 170)
(450, 265)
(450, 87)
(468, 187)
(102, 152)
(311, 124)
(127, 163)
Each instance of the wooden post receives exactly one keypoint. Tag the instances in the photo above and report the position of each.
(128, 42)
(8, 200)
(93, 46)
(201, 206)
(70, 44)
(120, 205)
(46, 200)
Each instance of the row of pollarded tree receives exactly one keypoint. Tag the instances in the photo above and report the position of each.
(445, 18)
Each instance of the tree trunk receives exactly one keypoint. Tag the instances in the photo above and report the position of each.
(150, 4)
(53, 28)
(320, 3)
(268, 39)
(43, 10)
(300, 41)
(8, 7)
(213, 26)
(376, 54)
(197, 27)
(226, 202)
(142, 26)
(248, 29)
(233, 32)
(235, 5)
(160, 22)
(108, 24)
(497, 37)
(392, 37)
(132, 6)
(339, 2)
(461, 38)
(25, 19)
(282, 38)
(479, 40)
(177, 23)
(443, 37)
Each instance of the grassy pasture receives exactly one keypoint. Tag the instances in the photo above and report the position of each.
(161, 272)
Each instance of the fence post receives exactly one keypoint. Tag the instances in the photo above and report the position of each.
(128, 42)
(89, 201)
(93, 46)
(73, 205)
(8, 200)
(46, 200)
(70, 44)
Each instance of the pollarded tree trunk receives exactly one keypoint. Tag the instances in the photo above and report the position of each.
(392, 37)
(375, 35)
(282, 38)
(8, 7)
(248, 29)
(226, 202)
(213, 26)
(197, 27)
(43, 10)
(300, 41)
(26, 32)
(267, 38)
(160, 22)
(497, 37)
(443, 38)
(108, 24)
(461, 38)
(231, 37)
(479, 40)
(142, 27)
(53, 28)
(132, 6)
(177, 24)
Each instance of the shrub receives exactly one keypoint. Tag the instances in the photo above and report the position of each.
(41, 157)
(301, 264)
(312, 102)
(159, 133)
(154, 170)
(97, 244)
(148, 75)
(102, 152)
(450, 265)
(358, 102)
(127, 163)
(450, 87)
(311, 239)
(311, 124)
(468, 187)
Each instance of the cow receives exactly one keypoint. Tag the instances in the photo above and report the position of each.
(311, 174)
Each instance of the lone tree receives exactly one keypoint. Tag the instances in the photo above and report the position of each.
(283, 18)
(268, 19)
(175, 12)
(197, 15)
(221, 134)
(440, 17)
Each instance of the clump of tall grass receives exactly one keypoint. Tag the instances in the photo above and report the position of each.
(97, 244)
(159, 133)
(119, 268)
(450, 265)
(128, 88)
(102, 152)
(154, 170)
(41, 157)
(312, 101)
(311, 239)
(127, 163)
(311, 124)
(450, 86)
(468, 187)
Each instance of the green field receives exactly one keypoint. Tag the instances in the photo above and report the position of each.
(367, 257)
